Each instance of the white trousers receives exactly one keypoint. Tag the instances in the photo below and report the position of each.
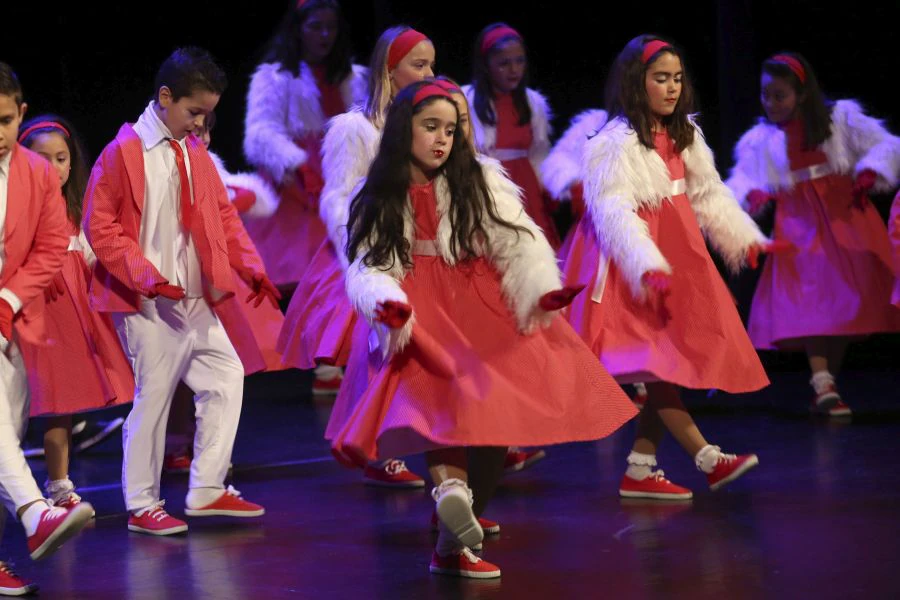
(166, 342)
(17, 484)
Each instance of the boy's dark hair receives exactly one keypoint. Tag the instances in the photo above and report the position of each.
(9, 84)
(188, 70)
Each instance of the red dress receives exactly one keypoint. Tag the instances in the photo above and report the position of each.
(468, 377)
(838, 281)
(82, 366)
(512, 136)
(288, 239)
(695, 338)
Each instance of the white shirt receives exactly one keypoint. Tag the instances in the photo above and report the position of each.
(6, 294)
(164, 241)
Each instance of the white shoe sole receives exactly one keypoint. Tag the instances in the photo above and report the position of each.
(749, 464)
(159, 532)
(655, 495)
(74, 522)
(241, 514)
(22, 591)
(826, 403)
(467, 574)
(455, 512)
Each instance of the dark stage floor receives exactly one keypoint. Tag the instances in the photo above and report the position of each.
(817, 519)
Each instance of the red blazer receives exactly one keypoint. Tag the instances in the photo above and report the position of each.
(35, 236)
(114, 202)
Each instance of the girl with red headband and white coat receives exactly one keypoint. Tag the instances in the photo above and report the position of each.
(511, 120)
(817, 161)
(459, 351)
(306, 78)
(319, 321)
(658, 310)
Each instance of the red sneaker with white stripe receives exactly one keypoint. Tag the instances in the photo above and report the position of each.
(229, 504)
(463, 564)
(655, 486)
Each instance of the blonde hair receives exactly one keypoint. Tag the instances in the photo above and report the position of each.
(380, 78)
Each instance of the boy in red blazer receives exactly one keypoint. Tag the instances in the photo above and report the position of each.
(33, 243)
(166, 238)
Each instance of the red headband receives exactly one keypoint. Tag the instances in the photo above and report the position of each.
(793, 64)
(495, 35)
(447, 86)
(652, 48)
(300, 4)
(402, 45)
(43, 125)
(429, 91)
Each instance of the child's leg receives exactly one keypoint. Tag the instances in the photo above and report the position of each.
(485, 471)
(216, 375)
(665, 399)
(457, 524)
(157, 343)
(837, 350)
(817, 354)
(57, 444)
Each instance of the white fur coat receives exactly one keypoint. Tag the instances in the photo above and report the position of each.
(526, 263)
(348, 150)
(562, 168)
(486, 135)
(282, 108)
(266, 197)
(622, 175)
(857, 142)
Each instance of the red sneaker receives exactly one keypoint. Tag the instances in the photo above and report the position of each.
(175, 463)
(229, 504)
(729, 468)
(825, 399)
(13, 585)
(156, 521)
(70, 501)
(56, 527)
(489, 527)
(464, 564)
(517, 460)
(392, 473)
(840, 410)
(655, 486)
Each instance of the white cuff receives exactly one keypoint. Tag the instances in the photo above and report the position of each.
(14, 302)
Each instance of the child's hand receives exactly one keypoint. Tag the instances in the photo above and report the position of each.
(393, 313)
(658, 282)
(262, 288)
(773, 247)
(311, 182)
(757, 200)
(55, 289)
(243, 198)
(559, 299)
(6, 319)
(865, 181)
(172, 292)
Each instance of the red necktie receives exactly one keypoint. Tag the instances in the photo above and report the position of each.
(185, 185)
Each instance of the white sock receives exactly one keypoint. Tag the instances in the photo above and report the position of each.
(821, 380)
(31, 518)
(327, 372)
(200, 497)
(707, 458)
(58, 488)
(640, 466)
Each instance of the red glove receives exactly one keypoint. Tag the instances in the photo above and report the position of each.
(392, 313)
(6, 319)
(172, 292)
(55, 289)
(559, 299)
(757, 200)
(576, 192)
(312, 183)
(658, 281)
(773, 247)
(865, 181)
(243, 198)
(262, 288)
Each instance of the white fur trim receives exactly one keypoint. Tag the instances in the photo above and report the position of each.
(348, 150)
(562, 168)
(355, 88)
(857, 142)
(267, 199)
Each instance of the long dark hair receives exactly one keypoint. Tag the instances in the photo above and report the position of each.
(481, 81)
(73, 190)
(284, 46)
(376, 222)
(626, 94)
(814, 107)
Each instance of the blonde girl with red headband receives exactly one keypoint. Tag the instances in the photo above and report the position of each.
(319, 320)
(817, 161)
(81, 367)
(306, 77)
(459, 347)
(657, 310)
(511, 120)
